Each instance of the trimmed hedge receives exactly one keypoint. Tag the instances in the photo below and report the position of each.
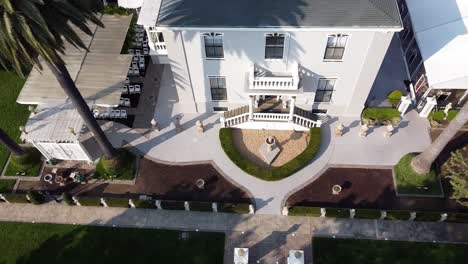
(116, 10)
(67, 198)
(440, 115)
(148, 204)
(16, 198)
(35, 197)
(272, 173)
(172, 205)
(338, 212)
(427, 216)
(394, 97)
(457, 218)
(7, 186)
(304, 211)
(29, 163)
(409, 182)
(117, 202)
(367, 213)
(380, 116)
(89, 201)
(201, 206)
(239, 208)
(398, 215)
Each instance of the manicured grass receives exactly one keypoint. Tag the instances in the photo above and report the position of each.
(398, 215)
(304, 211)
(46, 243)
(409, 182)
(457, 218)
(239, 208)
(272, 173)
(121, 168)
(338, 212)
(367, 213)
(30, 163)
(353, 251)
(440, 115)
(148, 204)
(201, 206)
(16, 198)
(380, 116)
(6, 186)
(89, 201)
(117, 202)
(12, 114)
(427, 216)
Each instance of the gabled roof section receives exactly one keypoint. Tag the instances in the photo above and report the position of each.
(277, 13)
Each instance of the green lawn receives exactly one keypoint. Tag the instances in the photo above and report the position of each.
(7, 185)
(409, 182)
(12, 114)
(352, 251)
(46, 243)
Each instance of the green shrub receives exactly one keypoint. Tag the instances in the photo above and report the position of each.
(272, 173)
(338, 212)
(398, 215)
(457, 218)
(117, 202)
(172, 205)
(380, 116)
(304, 211)
(7, 186)
(123, 167)
(67, 198)
(16, 198)
(144, 204)
(367, 213)
(239, 208)
(30, 163)
(201, 206)
(35, 197)
(439, 115)
(394, 97)
(89, 201)
(409, 182)
(116, 10)
(427, 216)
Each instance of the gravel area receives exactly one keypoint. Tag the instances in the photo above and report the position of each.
(291, 144)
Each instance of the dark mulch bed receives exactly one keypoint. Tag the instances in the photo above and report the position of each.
(459, 140)
(165, 182)
(364, 188)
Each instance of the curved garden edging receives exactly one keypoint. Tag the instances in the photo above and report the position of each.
(274, 173)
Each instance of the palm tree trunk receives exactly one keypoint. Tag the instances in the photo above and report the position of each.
(10, 144)
(68, 85)
(422, 163)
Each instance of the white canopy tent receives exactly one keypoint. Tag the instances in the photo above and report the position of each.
(55, 132)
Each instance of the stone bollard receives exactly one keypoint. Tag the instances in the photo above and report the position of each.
(158, 204)
(448, 107)
(130, 202)
(363, 131)
(214, 206)
(383, 215)
(186, 206)
(412, 216)
(285, 210)
(2, 197)
(75, 200)
(222, 121)
(154, 124)
(28, 198)
(443, 217)
(200, 128)
(389, 130)
(177, 125)
(339, 130)
(352, 213)
(251, 209)
(103, 202)
(323, 212)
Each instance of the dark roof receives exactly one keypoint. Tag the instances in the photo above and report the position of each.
(279, 13)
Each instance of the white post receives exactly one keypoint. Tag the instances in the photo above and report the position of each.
(130, 202)
(222, 121)
(158, 204)
(186, 206)
(251, 209)
(383, 215)
(103, 202)
(443, 217)
(352, 213)
(292, 104)
(285, 210)
(430, 103)
(214, 206)
(323, 212)
(2, 197)
(75, 200)
(404, 104)
(251, 106)
(412, 216)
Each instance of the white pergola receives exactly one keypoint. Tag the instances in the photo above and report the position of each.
(55, 132)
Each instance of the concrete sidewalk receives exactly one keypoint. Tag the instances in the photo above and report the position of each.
(269, 237)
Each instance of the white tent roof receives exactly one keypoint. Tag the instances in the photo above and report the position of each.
(54, 124)
(98, 74)
(442, 35)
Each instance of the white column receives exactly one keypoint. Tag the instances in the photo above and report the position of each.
(251, 106)
(404, 104)
(430, 103)
(292, 104)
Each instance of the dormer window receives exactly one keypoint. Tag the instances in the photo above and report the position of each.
(336, 44)
(274, 46)
(213, 45)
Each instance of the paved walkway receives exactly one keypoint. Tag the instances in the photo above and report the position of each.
(190, 147)
(269, 237)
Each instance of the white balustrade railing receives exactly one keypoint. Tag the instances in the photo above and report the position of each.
(274, 117)
(306, 122)
(270, 117)
(235, 120)
(274, 82)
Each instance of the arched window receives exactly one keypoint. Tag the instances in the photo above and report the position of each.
(214, 45)
(336, 44)
(274, 46)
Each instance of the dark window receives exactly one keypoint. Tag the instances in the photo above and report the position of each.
(413, 58)
(325, 90)
(335, 47)
(274, 46)
(214, 46)
(319, 111)
(220, 109)
(218, 88)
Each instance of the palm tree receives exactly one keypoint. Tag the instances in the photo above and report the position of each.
(421, 164)
(10, 144)
(29, 28)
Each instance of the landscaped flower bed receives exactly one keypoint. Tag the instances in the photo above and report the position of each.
(380, 116)
(304, 211)
(117, 202)
(30, 163)
(239, 208)
(89, 201)
(398, 215)
(440, 115)
(338, 212)
(427, 216)
(394, 97)
(272, 173)
(367, 214)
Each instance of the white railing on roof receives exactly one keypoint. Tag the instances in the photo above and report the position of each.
(274, 82)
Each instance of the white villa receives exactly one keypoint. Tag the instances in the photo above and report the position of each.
(434, 43)
(270, 63)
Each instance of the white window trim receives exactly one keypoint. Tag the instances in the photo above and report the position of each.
(333, 91)
(204, 48)
(285, 47)
(345, 47)
(209, 87)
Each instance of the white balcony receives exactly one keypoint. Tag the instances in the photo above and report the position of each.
(262, 79)
(156, 42)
